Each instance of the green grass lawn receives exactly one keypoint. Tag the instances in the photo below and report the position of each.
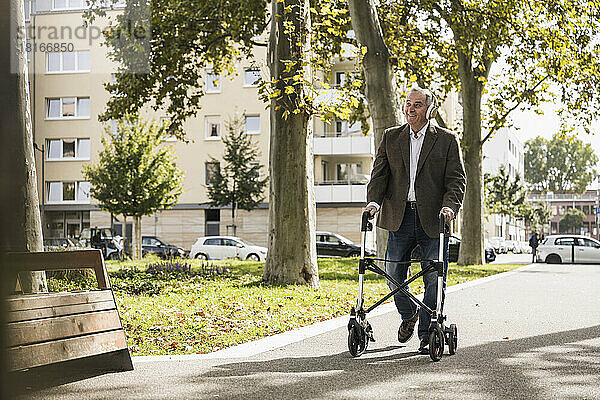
(202, 310)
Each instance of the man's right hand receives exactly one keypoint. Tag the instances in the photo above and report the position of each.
(372, 210)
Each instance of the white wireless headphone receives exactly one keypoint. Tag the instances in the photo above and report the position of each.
(432, 109)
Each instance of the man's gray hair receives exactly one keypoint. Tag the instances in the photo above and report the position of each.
(429, 97)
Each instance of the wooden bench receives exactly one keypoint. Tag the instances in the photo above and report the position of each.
(49, 328)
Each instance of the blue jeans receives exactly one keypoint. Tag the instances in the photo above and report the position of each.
(399, 245)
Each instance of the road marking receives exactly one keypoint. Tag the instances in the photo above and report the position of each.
(258, 346)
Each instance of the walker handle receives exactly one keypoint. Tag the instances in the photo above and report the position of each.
(442, 229)
(365, 224)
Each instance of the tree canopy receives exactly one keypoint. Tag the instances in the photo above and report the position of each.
(562, 164)
(135, 175)
(572, 221)
(164, 65)
(505, 195)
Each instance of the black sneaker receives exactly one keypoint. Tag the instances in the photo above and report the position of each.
(407, 328)
(424, 346)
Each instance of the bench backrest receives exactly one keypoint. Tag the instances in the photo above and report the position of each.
(48, 328)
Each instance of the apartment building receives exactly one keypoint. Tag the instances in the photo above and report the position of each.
(504, 148)
(68, 95)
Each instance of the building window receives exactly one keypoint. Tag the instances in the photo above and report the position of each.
(68, 62)
(340, 78)
(349, 173)
(213, 82)
(68, 192)
(344, 128)
(210, 172)
(251, 77)
(68, 108)
(212, 129)
(29, 9)
(65, 149)
(212, 220)
(68, 4)
(252, 124)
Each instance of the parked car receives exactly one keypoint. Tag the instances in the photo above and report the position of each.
(154, 245)
(58, 244)
(334, 245)
(220, 247)
(513, 246)
(525, 247)
(453, 249)
(103, 239)
(498, 244)
(557, 249)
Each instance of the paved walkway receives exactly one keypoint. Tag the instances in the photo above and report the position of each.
(533, 333)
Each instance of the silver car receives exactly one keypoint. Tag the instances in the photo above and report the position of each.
(558, 249)
(221, 247)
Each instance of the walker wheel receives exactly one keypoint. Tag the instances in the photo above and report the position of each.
(452, 339)
(436, 344)
(357, 340)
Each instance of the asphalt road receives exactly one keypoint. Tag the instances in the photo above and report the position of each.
(529, 334)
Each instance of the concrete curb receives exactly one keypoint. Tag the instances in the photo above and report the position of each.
(283, 339)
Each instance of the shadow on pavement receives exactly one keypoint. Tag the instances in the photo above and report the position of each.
(562, 365)
(521, 369)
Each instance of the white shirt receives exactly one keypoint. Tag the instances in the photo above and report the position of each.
(416, 143)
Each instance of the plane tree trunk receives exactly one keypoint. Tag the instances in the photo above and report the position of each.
(292, 255)
(21, 224)
(380, 89)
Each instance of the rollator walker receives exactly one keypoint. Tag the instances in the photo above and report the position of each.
(360, 332)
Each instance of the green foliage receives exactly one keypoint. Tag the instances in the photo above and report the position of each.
(535, 44)
(135, 175)
(572, 221)
(538, 215)
(200, 313)
(505, 196)
(238, 183)
(562, 164)
(182, 37)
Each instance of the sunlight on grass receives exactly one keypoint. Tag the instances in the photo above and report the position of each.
(189, 306)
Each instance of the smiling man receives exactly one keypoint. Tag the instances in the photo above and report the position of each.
(418, 174)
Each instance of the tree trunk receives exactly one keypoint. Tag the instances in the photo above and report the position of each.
(125, 244)
(21, 225)
(137, 237)
(380, 89)
(292, 256)
(471, 247)
(233, 225)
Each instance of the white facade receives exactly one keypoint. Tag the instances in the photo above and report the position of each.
(504, 148)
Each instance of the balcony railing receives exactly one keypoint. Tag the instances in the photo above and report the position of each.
(332, 144)
(341, 192)
(589, 195)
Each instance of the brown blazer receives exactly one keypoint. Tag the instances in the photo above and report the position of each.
(440, 180)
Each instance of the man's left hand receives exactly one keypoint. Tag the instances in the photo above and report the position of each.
(448, 212)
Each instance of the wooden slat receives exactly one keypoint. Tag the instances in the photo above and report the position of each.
(59, 260)
(23, 357)
(47, 329)
(45, 300)
(28, 315)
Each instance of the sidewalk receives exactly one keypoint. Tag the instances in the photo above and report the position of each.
(530, 333)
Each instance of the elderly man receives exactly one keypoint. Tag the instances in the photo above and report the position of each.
(418, 174)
